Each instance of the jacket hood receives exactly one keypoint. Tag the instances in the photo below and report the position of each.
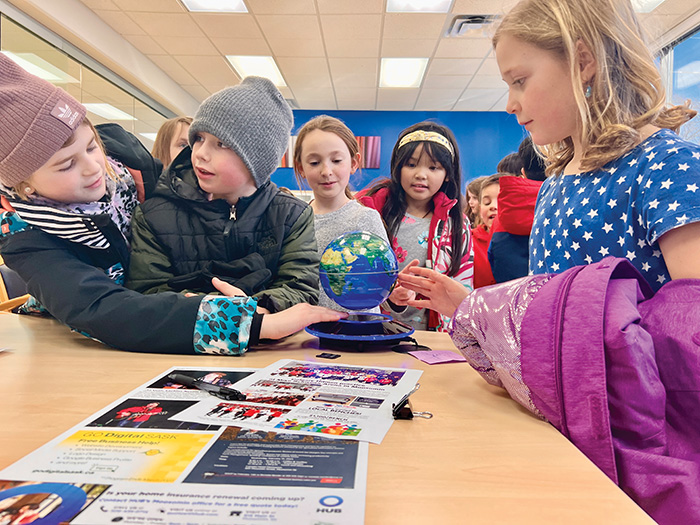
(516, 204)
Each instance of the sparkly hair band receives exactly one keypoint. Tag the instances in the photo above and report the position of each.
(429, 136)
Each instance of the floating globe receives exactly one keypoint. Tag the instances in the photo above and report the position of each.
(358, 270)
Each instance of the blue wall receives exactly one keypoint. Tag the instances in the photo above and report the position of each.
(484, 139)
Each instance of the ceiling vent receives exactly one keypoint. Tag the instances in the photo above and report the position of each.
(464, 25)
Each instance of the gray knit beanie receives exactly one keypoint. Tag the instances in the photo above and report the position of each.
(36, 120)
(252, 119)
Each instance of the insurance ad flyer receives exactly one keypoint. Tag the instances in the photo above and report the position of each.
(133, 463)
(310, 398)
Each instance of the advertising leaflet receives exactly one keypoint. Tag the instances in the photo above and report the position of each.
(311, 398)
(132, 463)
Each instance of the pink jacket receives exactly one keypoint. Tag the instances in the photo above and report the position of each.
(613, 367)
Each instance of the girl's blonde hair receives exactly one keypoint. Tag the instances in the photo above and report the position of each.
(19, 189)
(329, 125)
(161, 146)
(627, 91)
(474, 187)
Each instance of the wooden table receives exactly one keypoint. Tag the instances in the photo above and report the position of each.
(481, 459)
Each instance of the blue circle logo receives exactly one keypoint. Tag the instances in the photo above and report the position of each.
(331, 501)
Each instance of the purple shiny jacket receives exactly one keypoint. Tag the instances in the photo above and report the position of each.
(614, 367)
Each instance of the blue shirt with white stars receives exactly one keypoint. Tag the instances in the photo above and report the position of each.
(621, 209)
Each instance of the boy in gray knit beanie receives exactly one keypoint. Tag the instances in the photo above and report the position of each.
(216, 213)
(253, 120)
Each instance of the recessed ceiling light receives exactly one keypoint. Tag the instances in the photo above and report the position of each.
(646, 6)
(109, 112)
(259, 66)
(418, 6)
(39, 67)
(149, 136)
(402, 72)
(215, 6)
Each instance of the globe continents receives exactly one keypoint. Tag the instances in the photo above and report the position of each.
(358, 270)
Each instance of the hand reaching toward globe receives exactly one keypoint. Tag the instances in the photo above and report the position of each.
(440, 292)
(291, 320)
(401, 295)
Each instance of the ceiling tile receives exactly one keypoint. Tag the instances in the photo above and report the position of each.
(478, 99)
(211, 71)
(291, 27)
(197, 91)
(454, 66)
(165, 24)
(242, 46)
(179, 45)
(446, 81)
(365, 95)
(396, 98)
(482, 7)
(287, 47)
(106, 5)
(351, 48)
(400, 48)
(350, 7)
(146, 45)
(351, 26)
(489, 68)
(281, 7)
(354, 72)
(487, 82)
(463, 47)
(317, 98)
(121, 22)
(299, 71)
(173, 68)
(152, 6)
(228, 25)
(413, 25)
(437, 99)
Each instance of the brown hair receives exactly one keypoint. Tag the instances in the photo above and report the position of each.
(19, 189)
(474, 187)
(329, 125)
(626, 90)
(161, 146)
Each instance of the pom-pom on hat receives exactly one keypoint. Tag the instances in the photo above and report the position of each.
(36, 120)
(252, 119)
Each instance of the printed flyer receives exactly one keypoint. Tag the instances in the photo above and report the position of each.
(132, 463)
(310, 398)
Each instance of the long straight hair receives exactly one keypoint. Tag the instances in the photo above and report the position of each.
(395, 206)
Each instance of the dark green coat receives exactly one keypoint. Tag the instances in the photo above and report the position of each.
(179, 233)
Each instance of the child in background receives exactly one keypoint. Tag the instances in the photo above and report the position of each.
(326, 153)
(171, 139)
(64, 231)
(488, 210)
(615, 366)
(422, 207)
(215, 212)
(509, 248)
(511, 164)
(471, 210)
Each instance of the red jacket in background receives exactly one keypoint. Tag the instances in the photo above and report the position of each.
(509, 251)
(483, 276)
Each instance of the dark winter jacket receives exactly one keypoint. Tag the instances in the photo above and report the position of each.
(180, 239)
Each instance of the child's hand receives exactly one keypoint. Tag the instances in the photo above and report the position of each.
(226, 288)
(400, 295)
(291, 320)
(441, 293)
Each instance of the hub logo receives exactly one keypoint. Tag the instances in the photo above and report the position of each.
(329, 504)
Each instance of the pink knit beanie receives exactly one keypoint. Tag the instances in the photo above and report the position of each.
(36, 120)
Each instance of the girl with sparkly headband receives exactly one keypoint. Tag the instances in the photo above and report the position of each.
(421, 205)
